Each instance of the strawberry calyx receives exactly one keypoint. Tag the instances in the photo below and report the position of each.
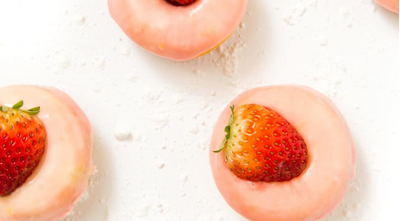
(33, 111)
(227, 130)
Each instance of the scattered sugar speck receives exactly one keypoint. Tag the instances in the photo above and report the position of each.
(122, 134)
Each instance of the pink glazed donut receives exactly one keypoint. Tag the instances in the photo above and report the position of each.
(62, 175)
(178, 32)
(392, 5)
(331, 159)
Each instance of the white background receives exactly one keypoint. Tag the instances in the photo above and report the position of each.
(346, 49)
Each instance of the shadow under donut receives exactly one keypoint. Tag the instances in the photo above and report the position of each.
(352, 206)
(94, 202)
(238, 56)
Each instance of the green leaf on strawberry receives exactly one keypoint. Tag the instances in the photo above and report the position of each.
(227, 130)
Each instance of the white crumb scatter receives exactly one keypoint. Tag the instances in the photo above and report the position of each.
(153, 95)
(323, 41)
(65, 64)
(301, 11)
(205, 144)
(133, 77)
(346, 212)
(349, 24)
(145, 210)
(346, 17)
(85, 196)
(242, 25)
(217, 218)
(160, 208)
(338, 82)
(93, 171)
(161, 121)
(194, 130)
(70, 217)
(198, 73)
(122, 134)
(178, 99)
(344, 12)
(98, 88)
(314, 4)
(373, 8)
(160, 164)
(293, 15)
(102, 201)
(81, 20)
(228, 55)
(151, 210)
(288, 19)
(136, 137)
(126, 51)
(101, 63)
(204, 105)
(185, 178)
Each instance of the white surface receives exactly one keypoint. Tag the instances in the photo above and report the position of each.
(346, 49)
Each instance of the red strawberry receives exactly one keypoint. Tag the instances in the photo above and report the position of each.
(22, 143)
(261, 145)
(181, 2)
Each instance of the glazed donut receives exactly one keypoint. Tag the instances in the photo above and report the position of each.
(66, 165)
(392, 5)
(178, 32)
(331, 159)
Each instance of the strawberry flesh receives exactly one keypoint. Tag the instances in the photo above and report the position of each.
(22, 144)
(261, 145)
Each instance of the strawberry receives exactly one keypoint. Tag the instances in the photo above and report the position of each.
(22, 144)
(181, 2)
(261, 145)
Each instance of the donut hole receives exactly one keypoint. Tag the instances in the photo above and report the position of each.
(181, 2)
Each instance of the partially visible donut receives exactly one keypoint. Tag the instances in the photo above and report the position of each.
(178, 32)
(64, 170)
(392, 5)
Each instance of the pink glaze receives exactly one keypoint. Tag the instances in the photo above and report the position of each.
(331, 165)
(392, 5)
(63, 173)
(178, 32)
